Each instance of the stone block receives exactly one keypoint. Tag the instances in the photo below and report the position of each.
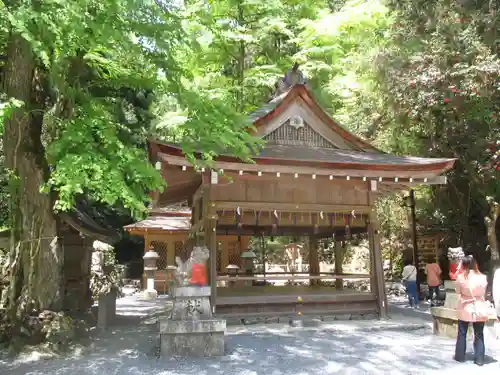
(192, 338)
(150, 295)
(445, 322)
(106, 312)
(343, 317)
(451, 301)
(194, 308)
(304, 323)
(449, 285)
(369, 317)
(192, 291)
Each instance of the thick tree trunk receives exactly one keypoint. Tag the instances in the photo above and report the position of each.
(491, 227)
(36, 257)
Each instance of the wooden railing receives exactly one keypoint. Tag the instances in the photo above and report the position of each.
(275, 276)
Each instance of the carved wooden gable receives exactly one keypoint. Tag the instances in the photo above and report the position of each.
(294, 118)
(298, 125)
(295, 131)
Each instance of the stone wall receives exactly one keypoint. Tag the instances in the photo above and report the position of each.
(77, 262)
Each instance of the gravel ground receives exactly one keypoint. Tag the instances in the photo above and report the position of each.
(341, 348)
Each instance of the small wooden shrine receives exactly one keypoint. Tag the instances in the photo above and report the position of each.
(312, 178)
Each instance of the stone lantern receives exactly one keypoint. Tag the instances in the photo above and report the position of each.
(232, 271)
(247, 258)
(150, 260)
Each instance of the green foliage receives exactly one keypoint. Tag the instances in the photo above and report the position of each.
(440, 80)
(91, 159)
(413, 76)
(421, 78)
(100, 67)
(6, 109)
(336, 48)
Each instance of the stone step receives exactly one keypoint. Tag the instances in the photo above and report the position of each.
(270, 317)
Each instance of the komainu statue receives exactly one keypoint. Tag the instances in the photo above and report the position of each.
(455, 255)
(183, 271)
(193, 270)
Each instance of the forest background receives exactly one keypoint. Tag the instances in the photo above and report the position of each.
(84, 83)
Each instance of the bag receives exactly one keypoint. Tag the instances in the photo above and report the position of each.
(411, 274)
(481, 309)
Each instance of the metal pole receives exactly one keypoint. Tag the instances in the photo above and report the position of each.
(414, 238)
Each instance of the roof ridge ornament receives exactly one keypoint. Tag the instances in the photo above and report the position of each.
(292, 77)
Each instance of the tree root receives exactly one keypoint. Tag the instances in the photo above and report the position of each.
(54, 329)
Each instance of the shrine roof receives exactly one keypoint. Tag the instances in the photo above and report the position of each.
(312, 139)
(280, 103)
(327, 157)
(266, 108)
(163, 222)
(311, 154)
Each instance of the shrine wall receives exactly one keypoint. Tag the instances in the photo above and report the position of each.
(297, 191)
(267, 218)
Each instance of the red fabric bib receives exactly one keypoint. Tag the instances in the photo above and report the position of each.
(198, 275)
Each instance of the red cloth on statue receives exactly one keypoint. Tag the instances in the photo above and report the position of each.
(198, 275)
(455, 270)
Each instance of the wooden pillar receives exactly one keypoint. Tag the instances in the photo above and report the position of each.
(377, 265)
(170, 240)
(210, 231)
(225, 252)
(373, 275)
(211, 244)
(339, 259)
(313, 259)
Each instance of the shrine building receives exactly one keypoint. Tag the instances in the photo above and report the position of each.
(312, 178)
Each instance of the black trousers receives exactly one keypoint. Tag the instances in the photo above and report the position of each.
(462, 341)
(433, 294)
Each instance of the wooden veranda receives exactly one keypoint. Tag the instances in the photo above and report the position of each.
(312, 178)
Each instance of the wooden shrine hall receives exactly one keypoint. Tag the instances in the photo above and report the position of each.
(311, 178)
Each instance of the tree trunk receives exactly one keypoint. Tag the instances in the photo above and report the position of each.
(36, 257)
(491, 227)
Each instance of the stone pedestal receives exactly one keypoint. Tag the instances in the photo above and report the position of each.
(191, 329)
(451, 300)
(191, 338)
(106, 311)
(149, 295)
(445, 319)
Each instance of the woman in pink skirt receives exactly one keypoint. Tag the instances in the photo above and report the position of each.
(471, 288)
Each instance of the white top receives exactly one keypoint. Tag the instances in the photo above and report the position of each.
(496, 289)
(409, 273)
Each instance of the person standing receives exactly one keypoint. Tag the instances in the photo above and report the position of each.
(471, 289)
(433, 272)
(496, 300)
(409, 277)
